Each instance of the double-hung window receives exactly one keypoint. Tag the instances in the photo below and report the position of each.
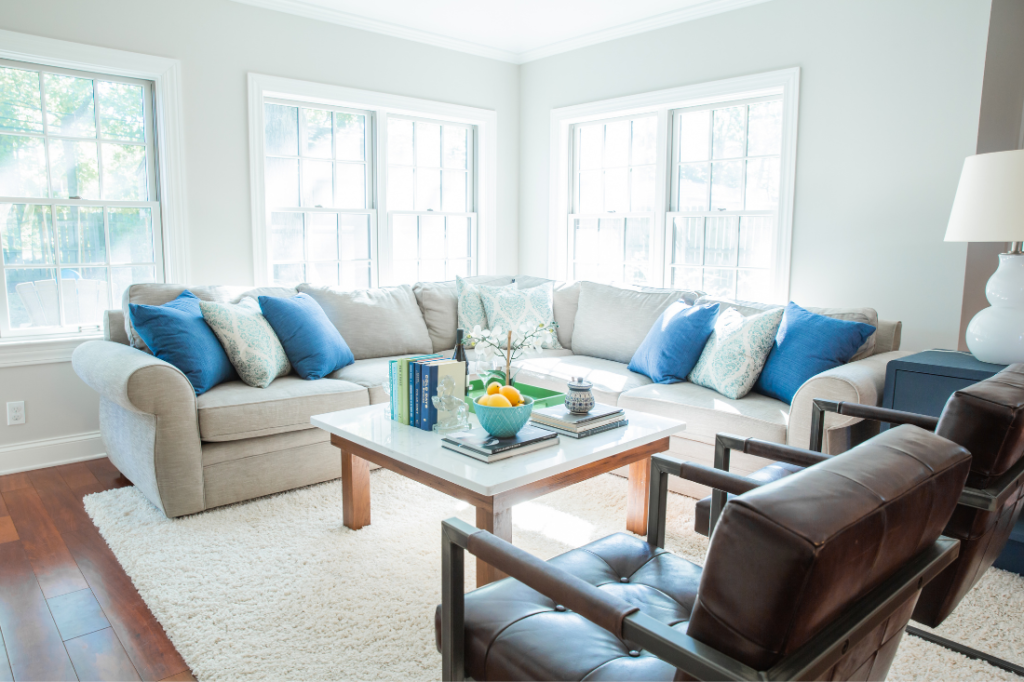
(79, 211)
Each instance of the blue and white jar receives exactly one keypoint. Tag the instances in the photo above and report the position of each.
(580, 398)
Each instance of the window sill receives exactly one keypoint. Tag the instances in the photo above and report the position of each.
(19, 352)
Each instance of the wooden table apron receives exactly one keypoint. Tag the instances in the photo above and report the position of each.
(494, 512)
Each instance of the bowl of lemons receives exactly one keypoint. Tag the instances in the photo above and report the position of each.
(503, 411)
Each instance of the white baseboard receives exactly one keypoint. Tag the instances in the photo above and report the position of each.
(48, 452)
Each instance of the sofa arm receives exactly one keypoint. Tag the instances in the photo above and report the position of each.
(861, 382)
(135, 380)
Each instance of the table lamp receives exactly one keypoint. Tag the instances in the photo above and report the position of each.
(989, 207)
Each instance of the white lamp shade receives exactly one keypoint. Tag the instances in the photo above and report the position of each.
(989, 203)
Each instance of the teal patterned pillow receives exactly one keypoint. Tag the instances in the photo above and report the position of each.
(510, 308)
(471, 308)
(736, 352)
(250, 342)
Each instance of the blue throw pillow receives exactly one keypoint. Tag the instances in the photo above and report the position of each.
(313, 345)
(807, 345)
(177, 333)
(675, 342)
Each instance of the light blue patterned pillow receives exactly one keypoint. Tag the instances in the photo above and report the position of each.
(736, 352)
(509, 308)
(250, 342)
(471, 308)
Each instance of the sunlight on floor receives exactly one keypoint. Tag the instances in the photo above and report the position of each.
(557, 525)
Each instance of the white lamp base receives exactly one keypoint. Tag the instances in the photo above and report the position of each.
(996, 334)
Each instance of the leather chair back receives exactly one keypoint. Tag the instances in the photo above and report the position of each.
(987, 418)
(788, 558)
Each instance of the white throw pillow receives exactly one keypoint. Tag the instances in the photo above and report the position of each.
(736, 351)
(471, 307)
(511, 308)
(250, 342)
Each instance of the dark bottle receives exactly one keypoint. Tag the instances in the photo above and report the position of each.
(460, 350)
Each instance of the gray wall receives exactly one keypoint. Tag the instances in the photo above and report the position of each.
(889, 102)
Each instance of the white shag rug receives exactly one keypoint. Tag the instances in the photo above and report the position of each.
(278, 588)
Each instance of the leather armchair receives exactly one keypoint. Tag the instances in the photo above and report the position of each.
(791, 589)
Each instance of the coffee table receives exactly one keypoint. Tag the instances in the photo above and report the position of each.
(368, 434)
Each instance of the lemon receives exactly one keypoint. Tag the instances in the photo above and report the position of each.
(493, 388)
(484, 400)
(511, 394)
(498, 400)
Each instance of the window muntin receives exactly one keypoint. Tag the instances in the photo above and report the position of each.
(725, 196)
(78, 198)
(319, 198)
(430, 199)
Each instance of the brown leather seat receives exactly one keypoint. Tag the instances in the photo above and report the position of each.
(786, 560)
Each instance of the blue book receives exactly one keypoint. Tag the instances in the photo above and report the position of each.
(428, 369)
(413, 386)
(392, 388)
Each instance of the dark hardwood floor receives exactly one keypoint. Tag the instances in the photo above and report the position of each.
(68, 611)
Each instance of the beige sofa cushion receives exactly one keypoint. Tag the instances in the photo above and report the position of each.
(230, 450)
(439, 304)
(375, 323)
(610, 378)
(371, 373)
(233, 410)
(708, 413)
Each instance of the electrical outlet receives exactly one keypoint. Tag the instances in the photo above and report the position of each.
(16, 413)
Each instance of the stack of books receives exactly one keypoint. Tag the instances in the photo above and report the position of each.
(413, 382)
(560, 420)
(481, 445)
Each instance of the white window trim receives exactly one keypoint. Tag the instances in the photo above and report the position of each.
(262, 86)
(785, 82)
(166, 77)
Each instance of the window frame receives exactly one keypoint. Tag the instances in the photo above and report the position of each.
(665, 103)
(484, 121)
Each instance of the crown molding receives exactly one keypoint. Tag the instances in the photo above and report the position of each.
(309, 10)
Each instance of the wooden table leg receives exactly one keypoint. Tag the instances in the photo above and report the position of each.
(355, 490)
(637, 496)
(499, 523)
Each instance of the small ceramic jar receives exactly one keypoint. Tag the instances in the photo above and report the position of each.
(580, 398)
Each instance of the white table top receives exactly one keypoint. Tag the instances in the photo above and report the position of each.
(372, 428)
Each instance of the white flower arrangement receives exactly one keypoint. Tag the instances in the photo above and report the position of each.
(526, 340)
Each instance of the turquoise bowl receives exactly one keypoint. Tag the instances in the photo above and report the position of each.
(504, 422)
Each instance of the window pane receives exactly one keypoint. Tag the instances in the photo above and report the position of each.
(431, 270)
(428, 144)
(32, 298)
(323, 237)
(642, 189)
(124, 172)
(457, 268)
(616, 144)
(84, 293)
(645, 138)
(322, 274)
(80, 237)
(286, 238)
(351, 185)
(22, 166)
(763, 183)
(765, 128)
(69, 105)
(638, 239)
(459, 238)
(720, 282)
(282, 129)
(131, 235)
(405, 271)
(591, 143)
(432, 243)
(20, 108)
(616, 190)
(121, 111)
(688, 242)
(694, 135)
(355, 236)
(585, 241)
(756, 242)
(609, 240)
(726, 178)
(727, 141)
(455, 147)
(289, 275)
(400, 189)
(453, 191)
(25, 231)
(753, 285)
(400, 142)
(316, 133)
(404, 240)
(428, 189)
(590, 192)
(317, 183)
(124, 277)
(282, 182)
(357, 275)
(638, 275)
(73, 169)
(693, 187)
(592, 272)
(687, 278)
(350, 130)
(720, 241)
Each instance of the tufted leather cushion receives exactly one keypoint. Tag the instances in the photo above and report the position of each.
(789, 557)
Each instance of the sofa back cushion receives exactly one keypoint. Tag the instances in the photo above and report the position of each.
(439, 303)
(375, 323)
(611, 322)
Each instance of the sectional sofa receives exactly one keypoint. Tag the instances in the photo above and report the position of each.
(236, 442)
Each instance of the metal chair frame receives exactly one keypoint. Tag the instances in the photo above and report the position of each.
(677, 648)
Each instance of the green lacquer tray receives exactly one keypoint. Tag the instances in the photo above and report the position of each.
(542, 397)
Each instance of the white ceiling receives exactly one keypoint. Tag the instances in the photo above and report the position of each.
(514, 31)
